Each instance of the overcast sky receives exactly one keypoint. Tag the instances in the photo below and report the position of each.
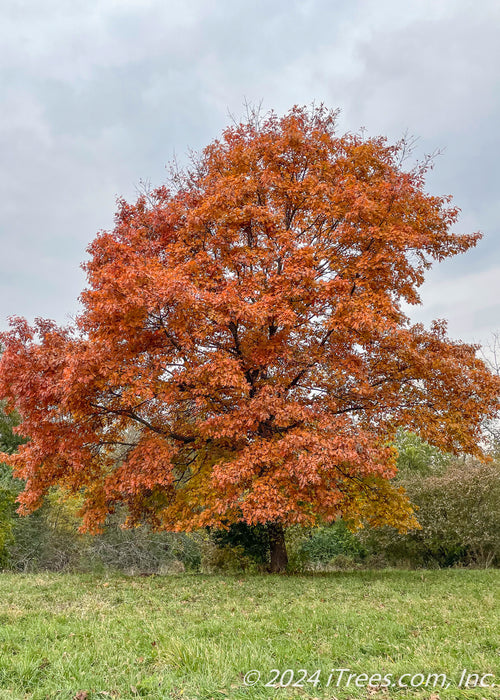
(99, 95)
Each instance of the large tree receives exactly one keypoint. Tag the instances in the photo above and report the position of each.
(242, 354)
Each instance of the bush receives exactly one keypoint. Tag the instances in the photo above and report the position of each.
(39, 544)
(458, 514)
(253, 540)
(326, 543)
(6, 525)
(226, 559)
(142, 550)
(48, 539)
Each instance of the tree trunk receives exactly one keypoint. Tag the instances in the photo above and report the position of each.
(277, 548)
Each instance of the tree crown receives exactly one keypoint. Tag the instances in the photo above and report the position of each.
(242, 354)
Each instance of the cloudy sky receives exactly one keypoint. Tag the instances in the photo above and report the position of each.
(97, 95)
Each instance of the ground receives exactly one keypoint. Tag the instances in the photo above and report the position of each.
(193, 636)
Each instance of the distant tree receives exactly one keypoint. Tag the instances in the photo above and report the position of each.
(417, 456)
(248, 325)
(491, 426)
(9, 487)
(9, 441)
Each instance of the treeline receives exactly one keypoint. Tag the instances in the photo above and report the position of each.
(457, 507)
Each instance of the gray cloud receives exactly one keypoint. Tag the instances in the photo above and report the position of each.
(97, 95)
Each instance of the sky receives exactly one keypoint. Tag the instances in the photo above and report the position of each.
(98, 96)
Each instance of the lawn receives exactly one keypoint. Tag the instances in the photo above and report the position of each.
(186, 637)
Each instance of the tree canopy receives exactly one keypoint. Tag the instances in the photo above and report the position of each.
(242, 353)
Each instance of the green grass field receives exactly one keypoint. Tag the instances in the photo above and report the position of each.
(187, 637)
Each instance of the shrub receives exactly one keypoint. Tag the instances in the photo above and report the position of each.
(226, 559)
(6, 525)
(141, 549)
(325, 543)
(48, 539)
(458, 514)
(252, 539)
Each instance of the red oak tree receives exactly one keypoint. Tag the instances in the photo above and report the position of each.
(242, 354)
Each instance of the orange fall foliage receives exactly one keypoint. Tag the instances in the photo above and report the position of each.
(242, 353)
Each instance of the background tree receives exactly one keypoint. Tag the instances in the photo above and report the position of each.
(9, 441)
(418, 457)
(242, 354)
(491, 355)
(9, 487)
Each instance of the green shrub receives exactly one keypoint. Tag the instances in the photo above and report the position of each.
(459, 515)
(9, 487)
(325, 543)
(252, 539)
(226, 559)
(6, 525)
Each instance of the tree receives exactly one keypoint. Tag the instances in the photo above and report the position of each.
(418, 457)
(9, 442)
(491, 355)
(242, 354)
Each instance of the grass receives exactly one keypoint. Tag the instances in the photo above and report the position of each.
(186, 637)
